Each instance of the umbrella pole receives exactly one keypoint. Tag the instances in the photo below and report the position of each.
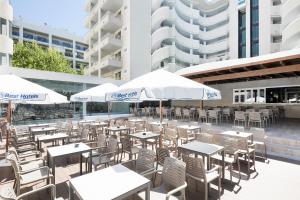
(160, 120)
(108, 109)
(9, 115)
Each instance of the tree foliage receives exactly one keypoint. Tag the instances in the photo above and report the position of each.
(32, 56)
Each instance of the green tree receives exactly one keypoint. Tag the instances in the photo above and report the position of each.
(32, 56)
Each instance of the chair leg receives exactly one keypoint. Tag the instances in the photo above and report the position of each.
(265, 155)
(230, 167)
(219, 188)
(206, 190)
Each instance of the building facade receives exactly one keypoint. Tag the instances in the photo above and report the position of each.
(119, 38)
(184, 33)
(6, 43)
(69, 45)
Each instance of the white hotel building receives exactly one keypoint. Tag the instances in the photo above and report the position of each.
(130, 37)
(69, 45)
(6, 43)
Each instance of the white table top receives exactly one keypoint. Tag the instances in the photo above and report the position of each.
(37, 125)
(40, 129)
(54, 136)
(136, 120)
(189, 127)
(67, 149)
(117, 128)
(108, 183)
(144, 135)
(157, 123)
(237, 134)
(202, 148)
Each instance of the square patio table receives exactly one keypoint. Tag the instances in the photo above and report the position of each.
(67, 150)
(116, 182)
(144, 136)
(137, 120)
(157, 123)
(41, 130)
(238, 134)
(190, 128)
(115, 129)
(48, 138)
(205, 149)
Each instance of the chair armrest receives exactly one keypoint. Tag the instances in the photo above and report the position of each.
(51, 186)
(178, 189)
(216, 168)
(31, 170)
(148, 171)
(27, 161)
(30, 154)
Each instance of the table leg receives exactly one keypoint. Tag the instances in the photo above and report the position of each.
(90, 164)
(53, 170)
(147, 193)
(223, 167)
(81, 163)
(71, 192)
(38, 144)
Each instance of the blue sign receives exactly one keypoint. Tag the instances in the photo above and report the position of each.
(124, 96)
(21, 97)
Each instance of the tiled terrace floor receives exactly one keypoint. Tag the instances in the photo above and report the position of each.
(274, 180)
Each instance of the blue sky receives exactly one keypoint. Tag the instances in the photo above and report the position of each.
(64, 14)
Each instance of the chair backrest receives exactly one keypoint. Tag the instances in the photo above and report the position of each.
(254, 116)
(259, 134)
(238, 128)
(206, 138)
(186, 112)
(16, 167)
(178, 111)
(139, 127)
(155, 128)
(239, 115)
(213, 113)
(182, 133)
(157, 110)
(161, 154)
(243, 144)
(250, 110)
(112, 144)
(120, 122)
(194, 167)
(126, 143)
(202, 113)
(205, 127)
(145, 160)
(101, 140)
(171, 135)
(148, 127)
(85, 133)
(231, 145)
(173, 174)
(226, 111)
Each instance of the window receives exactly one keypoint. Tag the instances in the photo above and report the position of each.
(276, 20)
(3, 26)
(242, 34)
(3, 59)
(249, 95)
(276, 39)
(254, 17)
(118, 76)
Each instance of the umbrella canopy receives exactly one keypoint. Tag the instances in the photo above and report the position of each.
(163, 85)
(95, 94)
(18, 90)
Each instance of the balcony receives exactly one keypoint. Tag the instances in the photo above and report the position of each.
(110, 43)
(110, 22)
(110, 63)
(112, 5)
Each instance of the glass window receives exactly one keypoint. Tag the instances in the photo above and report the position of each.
(3, 26)
(236, 98)
(254, 49)
(3, 59)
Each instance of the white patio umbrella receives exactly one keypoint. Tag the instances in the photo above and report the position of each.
(95, 94)
(17, 90)
(162, 85)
